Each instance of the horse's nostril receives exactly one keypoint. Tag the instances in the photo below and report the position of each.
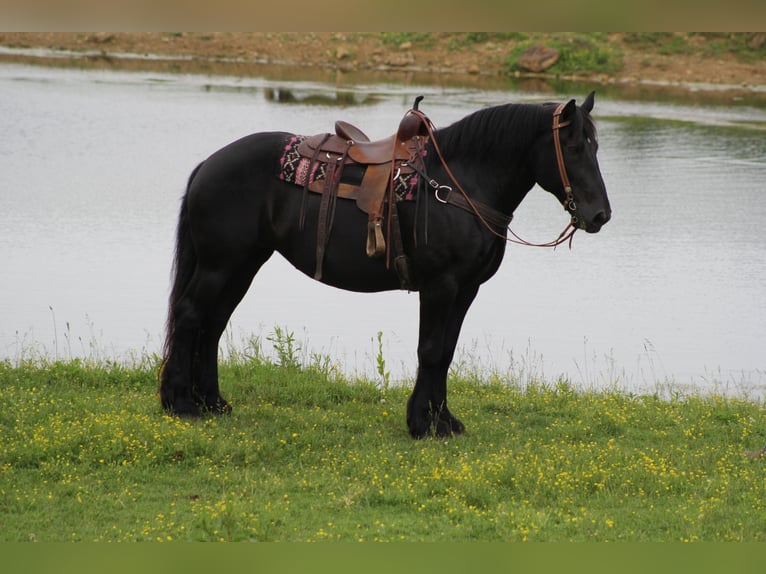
(602, 217)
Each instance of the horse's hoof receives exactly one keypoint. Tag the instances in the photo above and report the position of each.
(418, 433)
(182, 409)
(419, 428)
(449, 427)
(219, 407)
(442, 426)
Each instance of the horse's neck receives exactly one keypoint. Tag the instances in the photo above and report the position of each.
(491, 167)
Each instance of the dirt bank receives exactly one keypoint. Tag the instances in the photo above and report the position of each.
(697, 60)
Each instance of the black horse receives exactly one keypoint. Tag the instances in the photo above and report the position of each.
(237, 211)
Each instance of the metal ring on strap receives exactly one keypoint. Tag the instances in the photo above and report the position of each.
(438, 189)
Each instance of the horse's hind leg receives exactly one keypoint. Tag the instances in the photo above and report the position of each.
(187, 352)
(190, 376)
(206, 389)
(175, 377)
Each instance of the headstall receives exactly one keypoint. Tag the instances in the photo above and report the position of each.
(569, 203)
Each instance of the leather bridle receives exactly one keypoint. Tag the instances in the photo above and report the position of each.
(569, 203)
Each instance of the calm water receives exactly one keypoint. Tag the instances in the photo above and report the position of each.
(92, 166)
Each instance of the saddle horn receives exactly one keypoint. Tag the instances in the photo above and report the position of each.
(412, 124)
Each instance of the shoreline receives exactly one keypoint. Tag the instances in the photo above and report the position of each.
(367, 56)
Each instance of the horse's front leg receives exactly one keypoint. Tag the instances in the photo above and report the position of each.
(442, 310)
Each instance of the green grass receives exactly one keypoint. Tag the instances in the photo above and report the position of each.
(309, 455)
(580, 53)
(583, 53)
(424, 39)
(747, 47)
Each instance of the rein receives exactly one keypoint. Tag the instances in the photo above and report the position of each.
(569, 204)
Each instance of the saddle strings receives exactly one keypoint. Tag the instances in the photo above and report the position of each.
(566, 235)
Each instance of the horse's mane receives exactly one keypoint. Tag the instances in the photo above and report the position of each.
(489, 128)
(502, 127)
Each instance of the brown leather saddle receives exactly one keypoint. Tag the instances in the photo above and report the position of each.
(376, 165)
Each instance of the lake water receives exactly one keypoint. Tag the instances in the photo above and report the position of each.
(93, 163)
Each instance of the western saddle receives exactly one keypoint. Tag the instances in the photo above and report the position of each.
(377, 164)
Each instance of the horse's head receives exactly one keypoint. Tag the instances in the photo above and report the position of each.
(565, 164)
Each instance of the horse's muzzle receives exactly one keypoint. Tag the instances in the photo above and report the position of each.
(594, 224)
(599, 220)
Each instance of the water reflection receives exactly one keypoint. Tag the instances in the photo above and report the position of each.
(332, 75)
(93, 163)
(340, 98)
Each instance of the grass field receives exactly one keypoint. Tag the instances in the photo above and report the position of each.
(307, 455)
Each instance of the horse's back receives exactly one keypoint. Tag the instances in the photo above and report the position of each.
(238, 170)
(252, 154)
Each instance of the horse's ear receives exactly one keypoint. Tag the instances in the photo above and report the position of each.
(587, 105)
(569, 111)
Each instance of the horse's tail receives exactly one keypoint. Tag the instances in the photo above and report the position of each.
(184, 263)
